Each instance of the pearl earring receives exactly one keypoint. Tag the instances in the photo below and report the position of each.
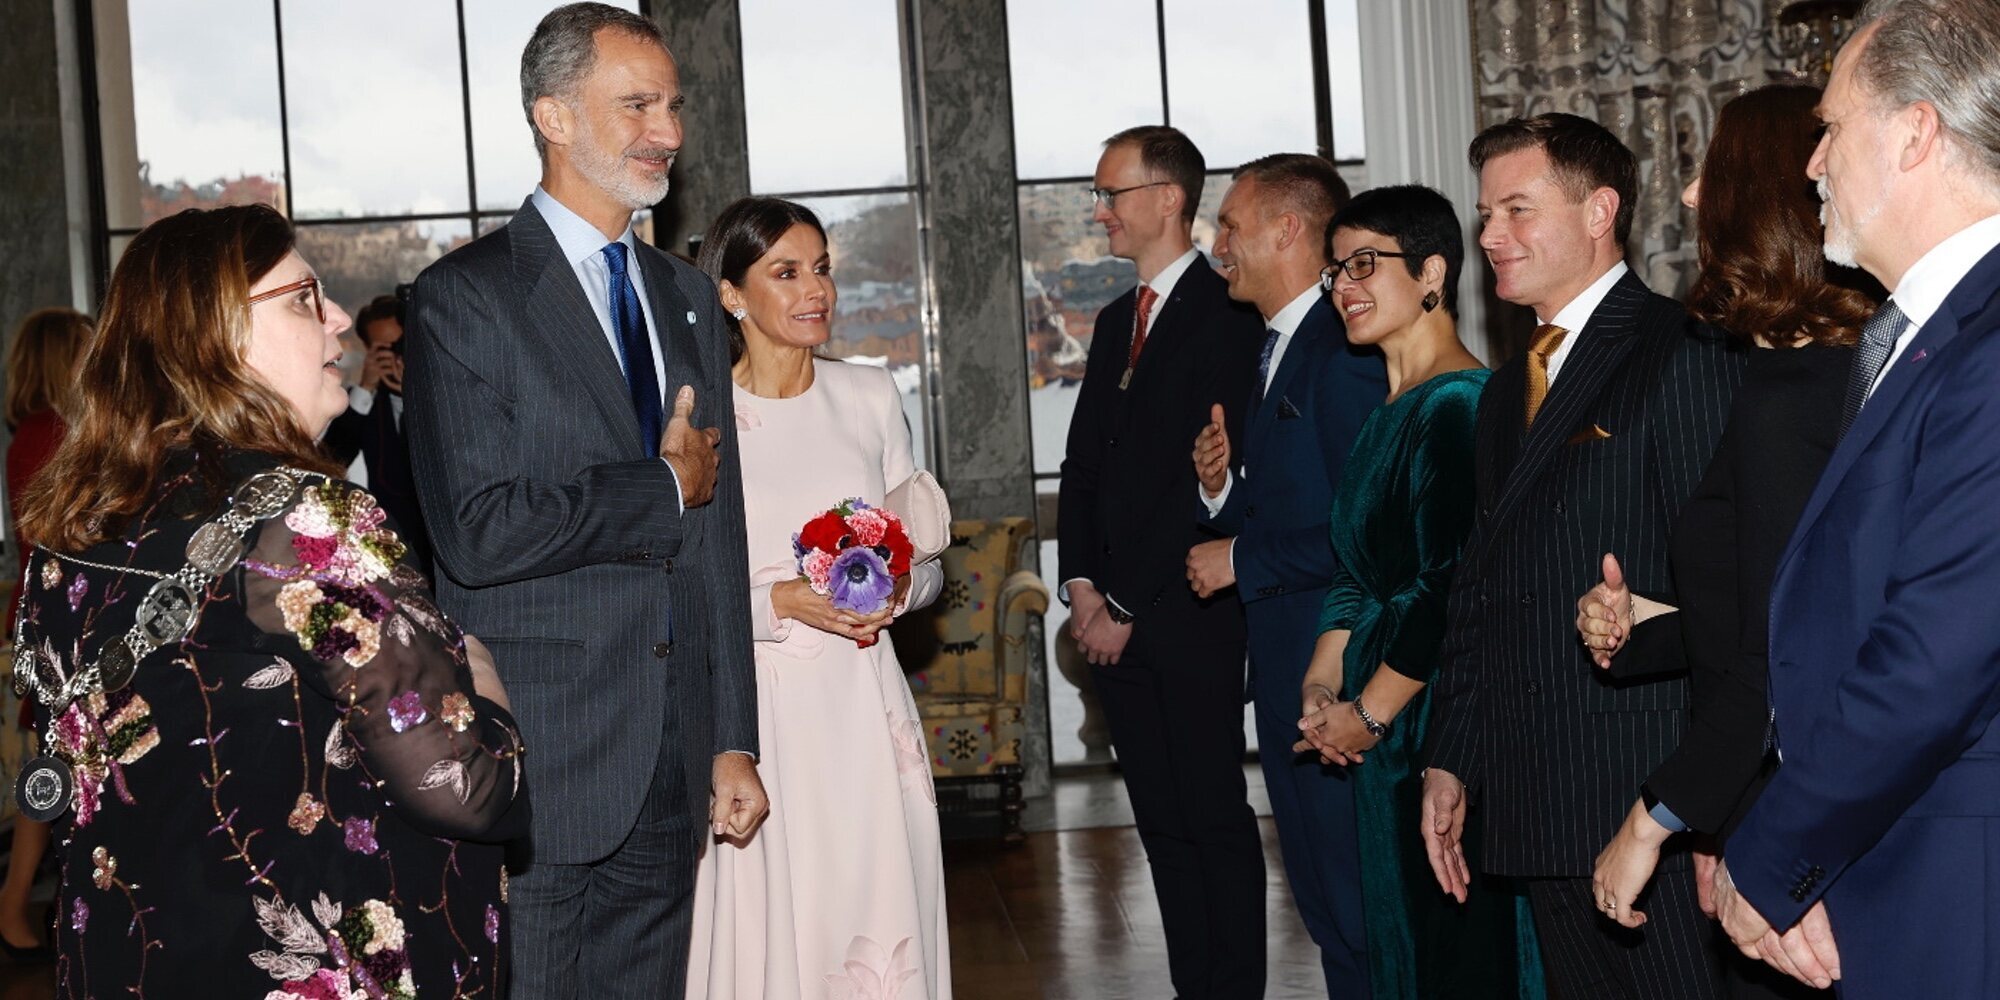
(739, 314)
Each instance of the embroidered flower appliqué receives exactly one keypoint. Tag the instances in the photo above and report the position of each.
(456, 711)
(104, 868)
(331, 602)
(307, 813)
(51, 574)
(870, 973)
(360, 835)
(117, 732)
(407, 710)
(79, 585)
(351, 953)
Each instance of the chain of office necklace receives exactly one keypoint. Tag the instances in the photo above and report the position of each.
(168, 611)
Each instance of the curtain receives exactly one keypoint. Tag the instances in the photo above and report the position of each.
(1654, 72)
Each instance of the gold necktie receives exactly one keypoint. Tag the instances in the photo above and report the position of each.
(1548, 337)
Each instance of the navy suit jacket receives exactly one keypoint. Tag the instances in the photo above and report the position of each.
(1885, 668)
(618, 622)
(1295, 446)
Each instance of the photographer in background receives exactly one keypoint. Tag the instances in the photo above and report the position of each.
(369, 436)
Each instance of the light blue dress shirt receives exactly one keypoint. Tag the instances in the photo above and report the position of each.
(583, 246)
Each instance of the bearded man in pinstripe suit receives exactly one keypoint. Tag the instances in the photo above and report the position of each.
(566, 382)
(1588, 443)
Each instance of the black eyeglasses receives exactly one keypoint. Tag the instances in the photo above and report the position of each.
(318, 289)
(1109, 196)
(1358, 265)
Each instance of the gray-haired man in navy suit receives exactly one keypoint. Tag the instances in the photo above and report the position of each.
(567, 380)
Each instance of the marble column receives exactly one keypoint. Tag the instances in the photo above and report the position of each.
(713, 168)
(34, 200)
(970, 221)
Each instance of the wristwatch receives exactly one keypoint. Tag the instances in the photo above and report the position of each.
(1368, 722)
(1118, 615)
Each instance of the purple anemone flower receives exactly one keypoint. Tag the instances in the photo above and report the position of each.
(861, 581)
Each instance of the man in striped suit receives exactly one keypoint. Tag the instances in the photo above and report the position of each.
(1587, 443)
(566, 379)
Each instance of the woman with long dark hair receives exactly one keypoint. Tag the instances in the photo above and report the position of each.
(267, 755)
(841, 891)
(1763, 279)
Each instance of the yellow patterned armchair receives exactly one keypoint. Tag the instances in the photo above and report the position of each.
(969, 661)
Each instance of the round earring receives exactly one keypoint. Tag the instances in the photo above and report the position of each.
(1431, 300)
(739, 314)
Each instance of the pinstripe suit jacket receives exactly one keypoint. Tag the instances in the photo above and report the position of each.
(620, 625)
(1553, 749)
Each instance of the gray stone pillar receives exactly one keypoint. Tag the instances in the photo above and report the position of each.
(34, 201)
(714, 166)
(970, 220)
(973, 222)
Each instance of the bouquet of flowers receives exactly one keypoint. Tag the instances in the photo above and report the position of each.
(853, 554)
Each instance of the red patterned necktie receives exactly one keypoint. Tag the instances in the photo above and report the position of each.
(1142, 309)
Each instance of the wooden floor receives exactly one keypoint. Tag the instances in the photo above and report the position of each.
(1066, 916)
(1071, 914)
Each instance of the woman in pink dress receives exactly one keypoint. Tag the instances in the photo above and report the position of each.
(840, 894)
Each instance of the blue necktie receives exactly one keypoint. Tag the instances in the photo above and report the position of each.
(1263, 369)
(636, 353)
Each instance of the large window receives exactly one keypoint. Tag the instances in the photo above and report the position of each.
(1241, 79)
(389, 131)
(825, 111)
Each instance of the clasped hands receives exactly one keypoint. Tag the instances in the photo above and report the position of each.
(1100, 639)
(1332, 727)
(1806, 953)
(795, 599)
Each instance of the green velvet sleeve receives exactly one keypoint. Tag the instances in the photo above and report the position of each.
(1442, 499)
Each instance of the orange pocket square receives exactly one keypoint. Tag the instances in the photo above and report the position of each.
(1591, 433)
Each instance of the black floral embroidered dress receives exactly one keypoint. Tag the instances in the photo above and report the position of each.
(269, 808)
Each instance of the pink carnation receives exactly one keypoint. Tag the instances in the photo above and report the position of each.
(867, 525)
(818, 568)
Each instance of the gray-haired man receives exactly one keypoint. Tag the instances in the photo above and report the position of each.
(588, 517)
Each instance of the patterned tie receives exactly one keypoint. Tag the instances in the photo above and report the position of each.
(1144, 308)
(635, 351)
(1146, 299)
(1264, 369)
(1878, 339)
(1548, 337)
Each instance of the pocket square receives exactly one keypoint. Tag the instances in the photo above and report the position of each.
(1286, 411)
(1591, 433)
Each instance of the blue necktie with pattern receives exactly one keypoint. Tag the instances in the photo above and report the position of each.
(635, 352)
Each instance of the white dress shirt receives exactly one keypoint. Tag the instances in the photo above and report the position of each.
(1576, 315)
(1931, 280)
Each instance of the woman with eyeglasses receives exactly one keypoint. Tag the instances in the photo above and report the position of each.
(274, 768)
(1400, 515)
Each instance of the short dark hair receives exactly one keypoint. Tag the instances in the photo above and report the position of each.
(1583, 155)
(1758, 228)
(1166, 152)
(379, 308)
(1419, 219)
(563, 49)
(739, 237)
(1302, 183)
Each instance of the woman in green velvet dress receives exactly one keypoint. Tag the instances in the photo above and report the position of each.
(1400, 516)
